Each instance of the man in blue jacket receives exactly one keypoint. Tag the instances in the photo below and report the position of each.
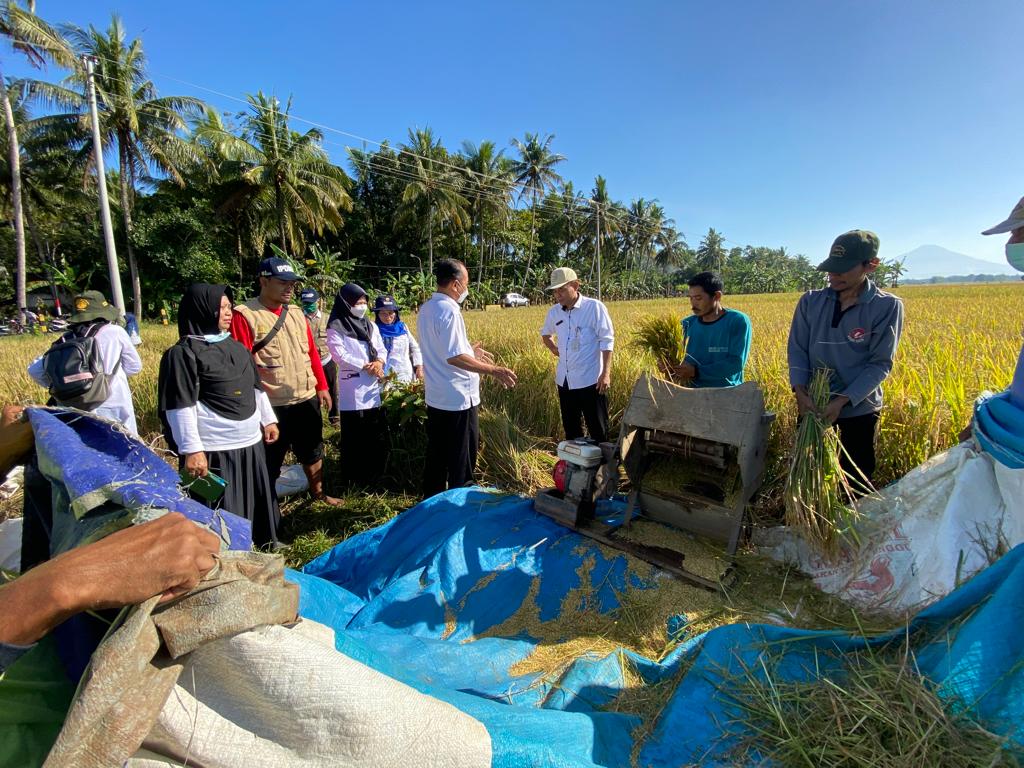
(717, 338)
(851, 328)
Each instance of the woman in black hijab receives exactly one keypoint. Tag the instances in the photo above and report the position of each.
(215, 413)
(359, 352)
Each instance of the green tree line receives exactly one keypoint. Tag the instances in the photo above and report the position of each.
(200, 194)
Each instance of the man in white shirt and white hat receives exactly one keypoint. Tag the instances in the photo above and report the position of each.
(452, 367)
(583, 342)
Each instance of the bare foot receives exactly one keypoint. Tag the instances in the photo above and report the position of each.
(330, 500)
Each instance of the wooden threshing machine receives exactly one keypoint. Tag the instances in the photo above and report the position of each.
(694, 459)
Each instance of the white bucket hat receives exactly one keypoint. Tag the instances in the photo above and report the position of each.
(561, 276)
(1014, 221)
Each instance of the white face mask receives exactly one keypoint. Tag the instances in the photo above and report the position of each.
(358, 311)
(463, 296)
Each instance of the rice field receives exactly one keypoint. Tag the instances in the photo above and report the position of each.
(958, 341)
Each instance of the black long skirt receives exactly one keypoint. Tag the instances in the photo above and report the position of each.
(363, 447)
(249, 493)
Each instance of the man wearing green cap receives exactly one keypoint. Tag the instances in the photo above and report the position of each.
(851, 328)
(95, 317)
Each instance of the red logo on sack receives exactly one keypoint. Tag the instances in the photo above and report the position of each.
(857, 335)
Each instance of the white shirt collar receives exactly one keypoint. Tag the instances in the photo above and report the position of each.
(576, 304)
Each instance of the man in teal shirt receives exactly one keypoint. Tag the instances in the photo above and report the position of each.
(717, 338)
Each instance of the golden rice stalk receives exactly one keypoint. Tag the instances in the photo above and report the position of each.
(662, 336)
(818, 496)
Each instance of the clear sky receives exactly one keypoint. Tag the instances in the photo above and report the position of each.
(778, 122)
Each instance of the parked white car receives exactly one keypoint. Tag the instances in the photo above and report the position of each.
(514, 300)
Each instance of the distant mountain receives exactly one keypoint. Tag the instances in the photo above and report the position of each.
(936, 261)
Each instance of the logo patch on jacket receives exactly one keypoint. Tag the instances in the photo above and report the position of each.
(857, 335)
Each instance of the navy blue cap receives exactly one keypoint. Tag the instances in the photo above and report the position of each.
(279, 268)
(385, 302)
(308, 295)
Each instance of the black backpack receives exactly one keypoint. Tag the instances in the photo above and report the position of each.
(74, 371)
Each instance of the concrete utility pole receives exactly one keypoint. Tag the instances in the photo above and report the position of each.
(89, 62)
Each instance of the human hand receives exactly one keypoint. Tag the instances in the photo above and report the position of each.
(375, 368)
(325, 399)
(196, 465)
(835, 405)
(482, 354)
(506, 376)
(12, 414)
(966, 433)
(686, 371)
(604, 382)
(167, 557)
(16, 437)
(418, 371)
(271, 433)
(804, 404)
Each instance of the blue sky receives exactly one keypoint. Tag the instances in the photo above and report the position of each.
(778, 123)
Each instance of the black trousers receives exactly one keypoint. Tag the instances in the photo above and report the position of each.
(302, 431)
(363, 447)
(583, 404)
(857, 434)
(452, 441)
(331, 374)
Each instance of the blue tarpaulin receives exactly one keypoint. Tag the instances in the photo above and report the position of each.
(412, 597)
(999, 427)
(421, 597)
(103, 479)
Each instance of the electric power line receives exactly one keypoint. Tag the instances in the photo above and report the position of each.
(607, 213)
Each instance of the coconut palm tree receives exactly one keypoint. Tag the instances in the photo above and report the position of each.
(571, 206)
(646, 220)
(290, 187)
(40, 43)
(711, 252)
(435, 186)
(488, 188)
(535, 173)
(672, 249)
(148, 131)
(49, 184)
(603, 222)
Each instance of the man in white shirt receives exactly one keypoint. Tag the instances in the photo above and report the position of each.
(452, 368)
(116, 350)
(585, 339)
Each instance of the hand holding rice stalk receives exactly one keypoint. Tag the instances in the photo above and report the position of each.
(818, 495)
(663, 337)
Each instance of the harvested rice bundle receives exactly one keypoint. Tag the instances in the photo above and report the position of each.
(875, 710)
(662, 336)
(818, 495)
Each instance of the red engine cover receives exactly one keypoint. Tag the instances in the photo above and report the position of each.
(558, 473)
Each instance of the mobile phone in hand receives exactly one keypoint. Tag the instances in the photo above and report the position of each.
(209, 487)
